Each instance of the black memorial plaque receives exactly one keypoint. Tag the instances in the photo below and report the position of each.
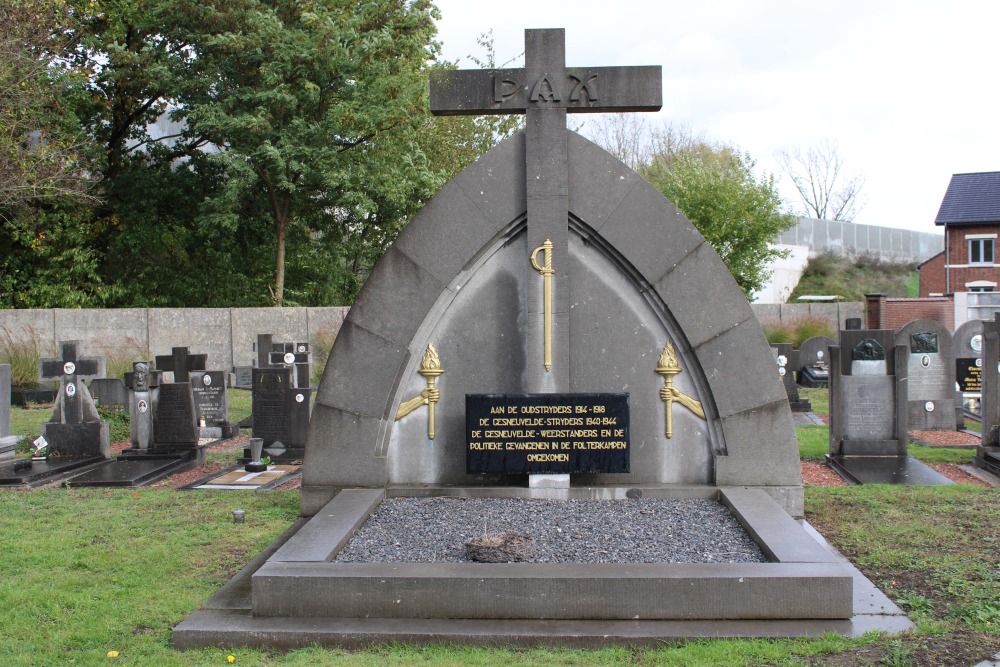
(969, 375)
(546, 433)
(209, 388)
(270, 405)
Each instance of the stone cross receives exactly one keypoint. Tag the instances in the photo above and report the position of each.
(545, 89)
(181, 362)
(69, 369)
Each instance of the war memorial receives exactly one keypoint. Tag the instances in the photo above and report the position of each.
(548, 329)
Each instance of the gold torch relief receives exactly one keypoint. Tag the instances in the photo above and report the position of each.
(668, 368)
(430, 368)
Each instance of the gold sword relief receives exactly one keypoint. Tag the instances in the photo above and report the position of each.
(547, 272)
(668, 368)
(430, 368)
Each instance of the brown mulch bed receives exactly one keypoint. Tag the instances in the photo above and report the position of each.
(815, 473)
(953, 472)
(945, 438)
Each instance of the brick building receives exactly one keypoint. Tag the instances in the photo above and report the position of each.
(970, 215)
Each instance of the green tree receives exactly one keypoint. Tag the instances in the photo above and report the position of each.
(738, 213)
(308, 99)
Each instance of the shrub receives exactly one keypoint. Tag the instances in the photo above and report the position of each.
(121, 356)
(322, 344)
(23, 355)
(798, 330)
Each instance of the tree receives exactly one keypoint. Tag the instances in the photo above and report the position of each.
(307, 99)
(43, 153)
(738, 213)
(827, 192)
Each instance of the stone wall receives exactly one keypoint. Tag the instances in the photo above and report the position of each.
(835, 313)
(225, 334)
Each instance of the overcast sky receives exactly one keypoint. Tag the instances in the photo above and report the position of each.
(908, 91)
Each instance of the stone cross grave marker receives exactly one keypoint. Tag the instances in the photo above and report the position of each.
(180, 361)
(69, 370)
(74, 430)
(545, 90)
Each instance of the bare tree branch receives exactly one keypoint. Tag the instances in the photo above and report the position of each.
(827, 192)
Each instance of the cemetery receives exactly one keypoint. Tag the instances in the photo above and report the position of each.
(530, 439)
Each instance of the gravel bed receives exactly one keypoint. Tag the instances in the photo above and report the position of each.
(435, 530)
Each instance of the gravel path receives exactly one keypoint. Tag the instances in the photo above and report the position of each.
(428, 530)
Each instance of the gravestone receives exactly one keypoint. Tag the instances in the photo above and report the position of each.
(930, 375)
(813, 361)
(76, 438)
(243, 377)
(280, 414)
(110, 394)
(163, 435)
(263, 348)
(295, 356)
(175, 425)
(8, 442)
(786, 359)
(212, 405)
(545, 269)
(181, 362)
(988, 453)
(869, 409)
(74, 430)
(967, 343)
(143, 383)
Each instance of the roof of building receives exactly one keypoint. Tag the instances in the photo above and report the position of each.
(971, 198)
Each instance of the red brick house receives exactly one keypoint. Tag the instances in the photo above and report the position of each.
(970, 215)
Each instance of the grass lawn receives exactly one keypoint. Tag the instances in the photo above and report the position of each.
(88, 571)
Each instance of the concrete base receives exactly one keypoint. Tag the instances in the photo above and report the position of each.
(987, 458)
(540, 481)
(22, 473)
(294, 596)
(8, 445)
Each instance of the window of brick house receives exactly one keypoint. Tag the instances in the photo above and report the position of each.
(980, 251)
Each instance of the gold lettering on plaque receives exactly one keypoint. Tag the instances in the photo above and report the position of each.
(430, 368)
(668, 368)
(547, 272)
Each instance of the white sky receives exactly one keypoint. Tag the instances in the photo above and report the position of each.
(908, 91)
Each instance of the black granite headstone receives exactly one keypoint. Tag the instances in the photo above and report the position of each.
(271, 410)
(174, 422)
(110, 394)
(210, 399)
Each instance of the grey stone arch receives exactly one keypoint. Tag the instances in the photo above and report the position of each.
(614, 215)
